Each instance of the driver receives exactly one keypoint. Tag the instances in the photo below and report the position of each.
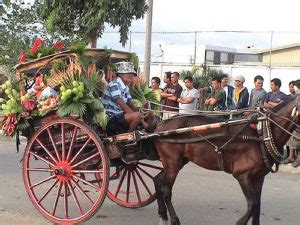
(116, 99)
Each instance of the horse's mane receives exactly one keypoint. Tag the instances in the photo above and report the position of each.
(282, 105)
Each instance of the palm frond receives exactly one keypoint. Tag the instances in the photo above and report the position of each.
(74, 108)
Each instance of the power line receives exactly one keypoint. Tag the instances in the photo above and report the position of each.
(206, 31)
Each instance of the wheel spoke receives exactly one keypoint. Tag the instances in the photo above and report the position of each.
(78, 153)
(75, 198)
(66, 200)
(128, 185)
(40, 170)
(43, 159)
(87, 171)
(46, 150)
(143, 182)
(54, 145)
(121, 182)
(86, 160)
(136, 187)
(83, 192)
(117, 171)
(149, 165)
(63, 144)
(87, 182)
(43, 181)
(72, 143)
(145, 172)
(47, 192)
(56, 199)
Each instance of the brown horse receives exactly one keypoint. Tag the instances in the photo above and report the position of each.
(243, 159)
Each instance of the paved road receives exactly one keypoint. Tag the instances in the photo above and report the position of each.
(200, 197)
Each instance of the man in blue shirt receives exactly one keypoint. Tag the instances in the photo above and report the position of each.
(116, 99)
(275, 97)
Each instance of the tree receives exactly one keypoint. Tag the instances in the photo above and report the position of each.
(19, 25)
(86, 19)
(202, 76)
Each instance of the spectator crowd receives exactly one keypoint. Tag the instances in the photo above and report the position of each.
(220, 96)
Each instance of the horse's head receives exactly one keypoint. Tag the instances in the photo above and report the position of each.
(289, 109)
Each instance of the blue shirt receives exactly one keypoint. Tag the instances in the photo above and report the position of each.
(275, 97)
(115, 89)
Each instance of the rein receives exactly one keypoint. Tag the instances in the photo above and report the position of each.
(266, 139)
(209, 113)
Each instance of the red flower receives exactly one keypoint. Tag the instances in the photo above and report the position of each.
(22, 56)
(37, 43)
(24, 114)
(9, 123)
(29, 105)
(59, 45)
(34, 50)
(10, 129)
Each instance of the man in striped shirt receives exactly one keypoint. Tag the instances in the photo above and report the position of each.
(116, 99)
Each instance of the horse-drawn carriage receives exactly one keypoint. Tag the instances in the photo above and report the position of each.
(70, 165)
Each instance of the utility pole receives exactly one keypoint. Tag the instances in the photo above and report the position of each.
(147, 57)
(195, 48)
(270, 55)
(130, 41)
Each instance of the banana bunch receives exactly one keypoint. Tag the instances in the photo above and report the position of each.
(74, 90)
(13, 104)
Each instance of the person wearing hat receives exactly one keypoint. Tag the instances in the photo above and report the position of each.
(240, 93)
(116, 99)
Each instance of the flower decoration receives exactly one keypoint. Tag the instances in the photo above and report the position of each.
(22, 57)
(29, 104)
(58, 46)
(37, 43)
(9, 123)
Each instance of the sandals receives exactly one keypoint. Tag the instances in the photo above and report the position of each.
(295, 163)
(287, 161)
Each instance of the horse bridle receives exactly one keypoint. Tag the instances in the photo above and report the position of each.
(295, 113)
(267, 144)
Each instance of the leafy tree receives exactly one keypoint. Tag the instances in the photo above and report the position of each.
(86, 19)
(19, 24)
(202, 76)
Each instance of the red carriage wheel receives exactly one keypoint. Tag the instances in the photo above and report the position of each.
(132, 186)
(59, 167)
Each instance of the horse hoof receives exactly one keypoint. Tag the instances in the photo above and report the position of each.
(162, 222)
(176, 222)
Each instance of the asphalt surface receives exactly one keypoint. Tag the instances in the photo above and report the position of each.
(200, 197)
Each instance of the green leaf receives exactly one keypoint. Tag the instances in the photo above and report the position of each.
(86, 20)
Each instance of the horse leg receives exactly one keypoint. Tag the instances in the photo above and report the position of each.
(170, 176)
(162, 209)
(252, 190)
(258, 184)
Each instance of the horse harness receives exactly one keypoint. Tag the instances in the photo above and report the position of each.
(265, 139)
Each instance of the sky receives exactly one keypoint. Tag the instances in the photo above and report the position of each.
(262, 16)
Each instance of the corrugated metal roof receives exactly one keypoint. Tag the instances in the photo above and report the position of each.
(279, 48)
